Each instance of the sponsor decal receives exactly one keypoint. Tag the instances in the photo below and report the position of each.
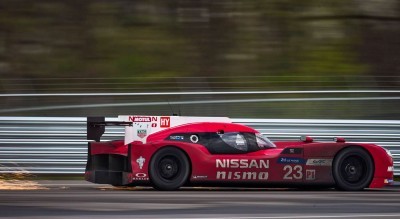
(194, 138)
(292, 151)
(388, 181)
(319, 162)
(242, 175)
(242, 163)
(140, 176)
(165, 121)
(310, 174)
(141, 133)
(390, 168)
(140, 161)
(200, 177)
(142, 118)
(293, 160)
(153, 125)
(295, 172)
(176, 137)
(144, 179)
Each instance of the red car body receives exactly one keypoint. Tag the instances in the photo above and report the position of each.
(199, 154)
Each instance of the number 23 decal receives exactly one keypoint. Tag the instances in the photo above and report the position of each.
(295, 172)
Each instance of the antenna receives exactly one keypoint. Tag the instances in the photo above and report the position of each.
(170, 107)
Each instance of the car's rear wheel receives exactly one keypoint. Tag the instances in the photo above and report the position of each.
(169, 169)
(353, 169)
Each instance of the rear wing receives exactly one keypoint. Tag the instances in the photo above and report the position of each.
(96, 127)
(139, 127)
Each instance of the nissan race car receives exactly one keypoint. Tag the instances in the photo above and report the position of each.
(168, 152)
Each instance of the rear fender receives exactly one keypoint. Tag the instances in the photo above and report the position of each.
(108, 164)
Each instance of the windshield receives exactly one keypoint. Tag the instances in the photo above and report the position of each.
(264, 142)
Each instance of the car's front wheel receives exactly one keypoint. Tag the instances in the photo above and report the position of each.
(353, 169)
(169, 169)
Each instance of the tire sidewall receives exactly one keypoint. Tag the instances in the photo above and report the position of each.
(184, 169)
(341, 183)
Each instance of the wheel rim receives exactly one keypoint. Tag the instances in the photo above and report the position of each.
(353, 169)
(169, 167)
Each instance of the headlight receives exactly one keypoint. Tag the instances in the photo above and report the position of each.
(388, 152)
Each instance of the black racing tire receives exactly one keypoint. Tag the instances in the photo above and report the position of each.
(169, 169)
(353, 169)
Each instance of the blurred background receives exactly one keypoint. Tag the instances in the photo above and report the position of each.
(57, 56)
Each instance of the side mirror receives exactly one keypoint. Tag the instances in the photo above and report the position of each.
(339, 140)
(306, 139)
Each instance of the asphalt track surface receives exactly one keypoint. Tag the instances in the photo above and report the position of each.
(78, 199)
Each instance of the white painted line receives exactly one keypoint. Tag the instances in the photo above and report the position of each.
(27, 109)
(304, 216)
(199, 93)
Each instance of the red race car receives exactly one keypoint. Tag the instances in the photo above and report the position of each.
(168, 152)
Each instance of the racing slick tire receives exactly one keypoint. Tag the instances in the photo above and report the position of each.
(353, 169)
(169, 169)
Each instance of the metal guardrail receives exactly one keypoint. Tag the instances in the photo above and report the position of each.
(58, 145)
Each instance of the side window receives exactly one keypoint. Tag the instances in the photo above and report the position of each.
(264, 142)
(228, 143)
(251, 141)
(235, 140)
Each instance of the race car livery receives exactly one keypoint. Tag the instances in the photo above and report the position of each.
(168, 152)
